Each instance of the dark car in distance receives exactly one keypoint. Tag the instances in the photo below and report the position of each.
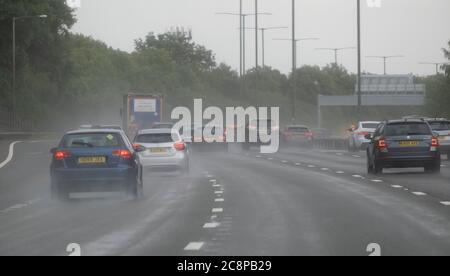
(95, 160)
(407, 143)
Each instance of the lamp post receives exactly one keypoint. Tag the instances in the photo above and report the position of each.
(335, 50)
(437, 64)
(13, 96)
(385, 58)
(243, 17)
(296, 46)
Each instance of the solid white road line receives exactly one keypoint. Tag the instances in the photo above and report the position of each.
(10, 154)
(194, 246)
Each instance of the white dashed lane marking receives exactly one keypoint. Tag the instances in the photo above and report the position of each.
(219, 200)
(377, 181)
(194, 246)
(218, 192)
(340, 172)
(217, 210)
(445, 203)
(419, 194)
(20, 206)
(396, 186)
(211, 225)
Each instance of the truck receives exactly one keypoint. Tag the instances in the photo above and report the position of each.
(141, 111)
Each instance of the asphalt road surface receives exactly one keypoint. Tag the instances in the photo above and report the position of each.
(296, 202)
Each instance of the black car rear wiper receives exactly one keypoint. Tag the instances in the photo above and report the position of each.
(83, 144)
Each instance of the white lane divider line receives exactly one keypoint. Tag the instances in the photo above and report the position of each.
(325, 169)
(219, 200)
(419, 194)
(217, 210)
(339, 154)
(311, 166)
(10, 154)
(340, 172)
(443, 166)
(194, 246)
(20, 206)
(377, 180)
(396, 186)
(356, 156)
(445, 203)
(211, 225)
(214, 217)
(298, 164)
(284, 162)
(358, 176)
(218, 192)
(270, 158)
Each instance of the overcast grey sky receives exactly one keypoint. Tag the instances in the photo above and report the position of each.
(417, 29)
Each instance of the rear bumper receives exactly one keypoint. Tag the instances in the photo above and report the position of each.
(176, 161)
(409, 161)
(104, 175)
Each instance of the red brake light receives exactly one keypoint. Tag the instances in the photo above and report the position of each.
(60, 155)
(382, 144)
(180, 146)
(125, 154)
(435, 142)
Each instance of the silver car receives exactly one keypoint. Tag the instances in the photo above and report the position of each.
(165, 150)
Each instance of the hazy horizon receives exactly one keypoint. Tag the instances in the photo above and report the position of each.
(404, 30)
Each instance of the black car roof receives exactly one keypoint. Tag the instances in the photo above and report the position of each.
(87, 131)
(406, 121)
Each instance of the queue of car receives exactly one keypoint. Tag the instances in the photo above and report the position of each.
(102, 157)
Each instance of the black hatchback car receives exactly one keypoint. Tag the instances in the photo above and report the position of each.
(408, 143)
(95, 161)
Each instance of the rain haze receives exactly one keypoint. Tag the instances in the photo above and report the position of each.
(399, 27)
(130, 128)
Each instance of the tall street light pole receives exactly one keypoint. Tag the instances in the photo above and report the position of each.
(294, 66)
(263, 34)
(13, 96)
(296, 43)
(359, 109)
(256, 36)
(335, 50)
(263, 37)
(243, 17)
(385, 58)
(437, 64)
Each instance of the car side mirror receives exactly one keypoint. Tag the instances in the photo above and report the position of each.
(369, 136)
(139, 148)
(53, 150)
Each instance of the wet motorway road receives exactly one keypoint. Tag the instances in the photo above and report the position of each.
(295, 202)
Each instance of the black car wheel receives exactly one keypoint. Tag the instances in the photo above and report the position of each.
(435, 168)
(58, 191)
(370, 169)
(377, 167)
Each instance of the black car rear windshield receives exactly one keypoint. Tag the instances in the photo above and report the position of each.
(370, 125)
(440, 126)
(407, 129)
(92, 140)
(157, 138)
